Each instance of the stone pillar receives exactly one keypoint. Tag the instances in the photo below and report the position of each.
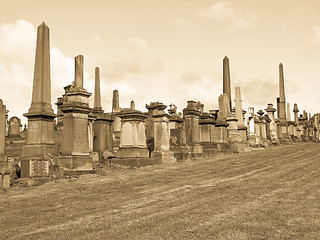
(132, 105)
(177, 135)
(273, 126)
(239, 115)
(226, 79)
(133, 137)
(220, 130)
(252, 137)
(263, 129)
(291, 125)
(40, 140)
(207, 133)
(283, 134)
(191, 121)
(153, 106)
(297, 130)
(116, 125)
(161, 153)
(77, 129)
(102, 127)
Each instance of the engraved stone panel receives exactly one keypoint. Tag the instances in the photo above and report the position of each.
(39, 168)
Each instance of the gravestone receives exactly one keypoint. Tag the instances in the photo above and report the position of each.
(239, 115)
(273, 126)
(14, 127)
(40, 139)
(116, 125)
(77, 132)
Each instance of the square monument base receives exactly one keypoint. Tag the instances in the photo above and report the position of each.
(76, 163)
(164, 157)
(132, 152)
(35, 167)
(35, 150)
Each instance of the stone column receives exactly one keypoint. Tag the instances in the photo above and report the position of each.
(207, 133)
(291, 125)
(239, 115)
(76, 125)
(162, 153)
(226, 79)
(263, 129)
(273, 126)
(102, 127)
(191, 121)
(283, 134)
(40, 140)
(116, 125)
(220, 130)
(252, 137)
(297, 130)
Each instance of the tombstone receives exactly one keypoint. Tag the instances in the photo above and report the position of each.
(102, 126)
(177, 134)
(221, 125)
(239, 115)
(252, 137)
(40, 145)
(272, 125)
(77, 130)
(133, 138)
(263, 129)
(282, 130)
(161, 152)
(207, 126)
(191, 123)
(15, 125)
(291, 125)
(116, 125)
(296, 130)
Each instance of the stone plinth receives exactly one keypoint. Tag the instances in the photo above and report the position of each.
(103, 139)
(234, 136)
(40, 138)
(133, 137)
(272, 124)
(161, 152)
(220, 133)
(76, 131)
(191, 123)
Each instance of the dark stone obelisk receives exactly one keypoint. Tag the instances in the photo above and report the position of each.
(283, 134)
(40, 141)
(226, 79)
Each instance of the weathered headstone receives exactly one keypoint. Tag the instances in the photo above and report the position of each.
(263, 129)
(133, 138)
(15, 125)
(191, 122)
(102, 126)
(77, 132)
(40, 140)
(220, 130)
(161, 152)
(273, 127)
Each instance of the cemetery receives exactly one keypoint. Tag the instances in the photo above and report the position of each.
(79, 137)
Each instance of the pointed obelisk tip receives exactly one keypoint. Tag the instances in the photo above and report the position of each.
(97, 68)
(280, 65)
(43, 24)
(226, 58)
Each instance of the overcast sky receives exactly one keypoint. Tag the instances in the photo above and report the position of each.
(169, 51)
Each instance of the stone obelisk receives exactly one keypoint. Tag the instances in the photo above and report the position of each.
(40, 142)
(226, 79)
(97, 96)
(2, 130)
(117, 121)
(102, 126)
(281, 107)
(239, 115)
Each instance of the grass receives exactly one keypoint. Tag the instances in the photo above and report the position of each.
(268, 194)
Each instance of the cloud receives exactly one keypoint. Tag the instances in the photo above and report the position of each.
(136, 58)
(95, 38)
(17, 52)
(226, 11)
(183, 23)
(315, 38)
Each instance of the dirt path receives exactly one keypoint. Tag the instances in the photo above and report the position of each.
(269, 194)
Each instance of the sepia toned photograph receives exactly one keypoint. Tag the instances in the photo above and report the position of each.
(160, 119)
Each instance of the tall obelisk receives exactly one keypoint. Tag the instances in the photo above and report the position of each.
(226, 79)
(239, 114)
(97, 96)
(281, 107)
(40, 141)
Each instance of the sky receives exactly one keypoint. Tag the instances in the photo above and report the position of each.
(169, 51)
